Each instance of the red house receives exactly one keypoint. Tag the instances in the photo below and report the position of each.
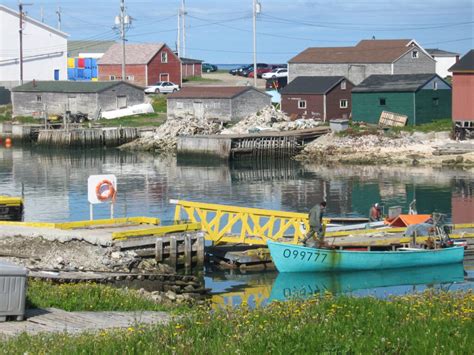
(145, 64)
(318, 97)
(191, 67)
(463, 89)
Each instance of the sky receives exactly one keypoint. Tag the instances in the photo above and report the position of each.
(220, 32)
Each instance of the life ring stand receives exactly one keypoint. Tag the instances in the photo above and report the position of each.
(105, 190)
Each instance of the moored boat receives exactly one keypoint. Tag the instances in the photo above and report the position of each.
(297, 258)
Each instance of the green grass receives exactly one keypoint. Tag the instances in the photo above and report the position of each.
(429, 323)
(200, 79)
(6, 116)
(445, 124)
(87, 297)
(145, 120)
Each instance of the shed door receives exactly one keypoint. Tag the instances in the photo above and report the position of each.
(72, 104)
(121, 101)
(164, 77)
(198, 109)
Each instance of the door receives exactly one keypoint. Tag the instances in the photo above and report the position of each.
(56, 74)
(72, 104)
(121, 101)
(164, 77)
(198, 109)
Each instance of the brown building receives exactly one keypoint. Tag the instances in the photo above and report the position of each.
(145, 64)
(463, 88)
(318, 97)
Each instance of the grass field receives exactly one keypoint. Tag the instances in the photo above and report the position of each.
(428, 323)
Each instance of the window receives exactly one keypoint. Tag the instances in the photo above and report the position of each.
(414, 54)
(38, 98)
(343, 103)
(121, 101)
(343, 85)
(112, 77)
(164, 57)
(382, 101)
(435, 85)
(130, 78)
(435, 101)
(301, 103)
(179, 105)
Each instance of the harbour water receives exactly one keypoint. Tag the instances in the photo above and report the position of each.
(54, 184)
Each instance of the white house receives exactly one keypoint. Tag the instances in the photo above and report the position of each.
(444, 61)
(44, 50)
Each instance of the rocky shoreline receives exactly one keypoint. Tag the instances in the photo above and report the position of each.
(403, 149)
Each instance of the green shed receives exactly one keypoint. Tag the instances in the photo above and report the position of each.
(422, 97)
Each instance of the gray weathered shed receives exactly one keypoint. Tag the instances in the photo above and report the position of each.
(223, 103)
(56, 97)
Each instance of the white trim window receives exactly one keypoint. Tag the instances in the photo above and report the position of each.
(301, 104)
(415, 54)
(130, 78)
(343, 103)
(164, 57)
(435, 85)
(343, 85)
(112, 77)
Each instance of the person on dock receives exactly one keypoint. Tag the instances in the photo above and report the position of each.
(375, 213)
(316, 224)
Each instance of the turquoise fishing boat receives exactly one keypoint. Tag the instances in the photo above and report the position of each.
(297, 258)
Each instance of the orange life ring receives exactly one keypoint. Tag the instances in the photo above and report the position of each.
(105, 190)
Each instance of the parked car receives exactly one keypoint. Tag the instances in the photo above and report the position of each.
(276, 73)
(207, 68)
(260, 71)
(235, 71)
(162, 87)
(245, 70)
(261, 67)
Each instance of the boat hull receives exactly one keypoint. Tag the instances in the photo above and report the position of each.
(296, 258)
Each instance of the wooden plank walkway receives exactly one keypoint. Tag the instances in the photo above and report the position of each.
(52, 320)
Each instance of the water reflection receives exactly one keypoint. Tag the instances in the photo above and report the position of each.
(260, 289)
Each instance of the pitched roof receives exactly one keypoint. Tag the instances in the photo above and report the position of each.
(366, 51)
(399, 83)
(311, 85)
(86, 87)
(76, 47)
(441, 53)
(465, 64)
(211, 92)
(33, 21)
(134, 53)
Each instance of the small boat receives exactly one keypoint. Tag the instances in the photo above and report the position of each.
(297, 258)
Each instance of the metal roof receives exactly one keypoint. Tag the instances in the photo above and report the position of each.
(441, 53)
(76, 47)
(465, 64)
(134, 53)
(366, 51)
(399, 83)
(211, 92)
(311, 84)
(87, 87)
(190, 61)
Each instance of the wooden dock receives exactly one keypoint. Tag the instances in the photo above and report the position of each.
(87, 137)
(249, 146)
(52, 320)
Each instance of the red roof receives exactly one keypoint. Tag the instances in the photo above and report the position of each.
(366, 51)
(210, 92)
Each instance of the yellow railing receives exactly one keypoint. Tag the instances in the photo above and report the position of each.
(233, 224)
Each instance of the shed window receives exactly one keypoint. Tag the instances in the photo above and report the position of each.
(435, 85)
(130, 78)
(382, 101)
(343, 103)
(343, 85)
(414, 54)
(164, 57)
(112, 78)
(435, 101)
(38, 98)
(301, 103)
(179, 105)
(121, 101)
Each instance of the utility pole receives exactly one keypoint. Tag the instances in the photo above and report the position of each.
(123, 20)
(58, 12)
(20, 31)
(257, 8)
(42, 14)
(183, 14)
(178, 40)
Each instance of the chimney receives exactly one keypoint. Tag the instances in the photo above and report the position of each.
(34, 83)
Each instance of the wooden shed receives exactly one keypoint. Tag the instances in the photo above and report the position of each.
(422, 97)
(463, 88)
(317, 97)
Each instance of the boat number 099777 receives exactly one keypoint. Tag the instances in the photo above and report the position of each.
(304, 255)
